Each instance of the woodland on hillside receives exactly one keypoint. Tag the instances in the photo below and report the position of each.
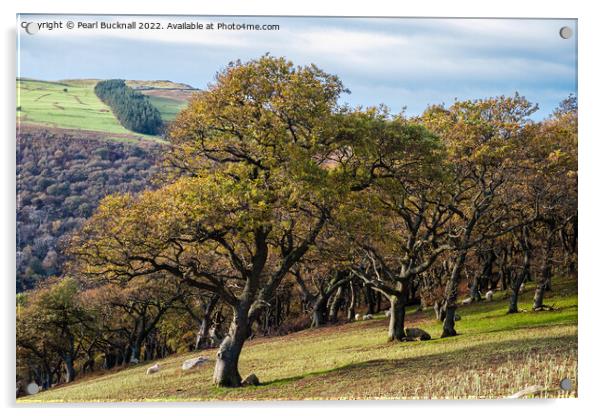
(280, 209)
(60, 182)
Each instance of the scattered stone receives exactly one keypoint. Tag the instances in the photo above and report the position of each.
(457, 317)
(526, 391)
(194, 363)
(153, 369)
(489, 296)
(367, 317)
(32, 388)
(134, 361)
(388, 314)
(251, 380)
(417, 333)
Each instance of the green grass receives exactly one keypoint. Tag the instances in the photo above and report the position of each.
(168, 107)
(73, 105)
(494, 355)
(48, 104)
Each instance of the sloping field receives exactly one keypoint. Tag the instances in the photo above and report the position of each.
(168, 107)
(73, 105)
(62, 105)
(495, 355)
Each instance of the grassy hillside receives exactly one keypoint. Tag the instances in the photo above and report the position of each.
(72, 104)
(64, 105)
(495, 355)
(168, 107)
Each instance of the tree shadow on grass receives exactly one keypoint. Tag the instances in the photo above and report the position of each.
(485, 355)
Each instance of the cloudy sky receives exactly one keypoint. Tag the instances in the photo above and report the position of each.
(399, 62)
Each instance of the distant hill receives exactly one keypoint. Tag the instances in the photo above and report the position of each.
(159, 84)
(71, 152)
(72, 105)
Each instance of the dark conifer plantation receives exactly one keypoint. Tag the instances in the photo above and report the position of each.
(133, 109)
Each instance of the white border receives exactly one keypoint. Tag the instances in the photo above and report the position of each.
(590, 160)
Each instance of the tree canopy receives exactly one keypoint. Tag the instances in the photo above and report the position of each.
(277, 202)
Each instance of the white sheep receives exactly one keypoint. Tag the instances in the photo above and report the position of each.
(489, 296)
(367, 317)
(153, 369)
(357, 316)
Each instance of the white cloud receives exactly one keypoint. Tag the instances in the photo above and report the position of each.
(372, 56)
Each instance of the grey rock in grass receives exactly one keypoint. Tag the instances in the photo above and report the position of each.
(153, 369)
(489, 296)
(194, 363)
(417, 333)
(251, 380)
(526, 392)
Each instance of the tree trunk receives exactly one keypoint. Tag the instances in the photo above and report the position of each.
(546, 271)
(69, 369)
(538, 298)
(201, 335)
(451, 296)
(226, 372)
(110, 360)
(319, 311)
(47, 380)
(439, 308)
(335, 305)
(370, 303)
(513, 305)
(475, 292)
(524, 274)
(46, 376)
(449, 322)
(397, 319)
(572, 266)
(351, 307)
(485, 279)
(136, 347)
